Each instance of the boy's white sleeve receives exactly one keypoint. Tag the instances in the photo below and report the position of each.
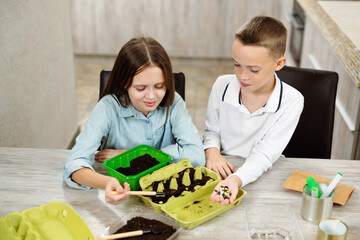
(211, 136)
(273, 143)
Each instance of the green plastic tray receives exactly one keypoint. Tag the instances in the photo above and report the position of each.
(124, 159)
(166, 173)
(53, 221)
(196, 208)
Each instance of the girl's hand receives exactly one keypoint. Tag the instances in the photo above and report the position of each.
(233, 184)
(218, 163)
(114, 185)
(106, 154)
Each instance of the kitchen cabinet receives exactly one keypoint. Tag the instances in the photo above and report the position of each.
(317, 53)
(187, 28)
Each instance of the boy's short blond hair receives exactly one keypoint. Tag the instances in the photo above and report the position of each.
(265, 32)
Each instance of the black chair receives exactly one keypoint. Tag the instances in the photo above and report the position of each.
(313, 135)
(179, 82)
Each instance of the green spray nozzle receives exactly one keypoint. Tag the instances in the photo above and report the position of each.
(312, 185)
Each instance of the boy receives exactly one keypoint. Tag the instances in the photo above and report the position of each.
(251, 114)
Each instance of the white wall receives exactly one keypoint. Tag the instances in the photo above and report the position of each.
(37, 84)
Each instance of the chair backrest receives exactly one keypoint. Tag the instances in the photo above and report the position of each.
(313, 135)
(179, 82)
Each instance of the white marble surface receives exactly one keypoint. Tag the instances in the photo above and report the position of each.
(32, 177)
(338, 22)
(346, 14)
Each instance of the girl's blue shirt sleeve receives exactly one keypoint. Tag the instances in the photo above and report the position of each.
(115, 127)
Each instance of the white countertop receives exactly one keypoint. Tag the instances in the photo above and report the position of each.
(346, 14)
(339, 23)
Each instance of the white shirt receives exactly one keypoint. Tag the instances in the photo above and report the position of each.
(259, 137)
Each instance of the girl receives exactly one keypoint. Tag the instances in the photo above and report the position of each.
(138, 106)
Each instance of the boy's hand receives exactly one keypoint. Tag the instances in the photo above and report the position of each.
(114, 185)
(233, 184)
(106, 154)
(218, 163)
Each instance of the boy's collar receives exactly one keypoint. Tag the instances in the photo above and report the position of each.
(274, 102)
(232, 90)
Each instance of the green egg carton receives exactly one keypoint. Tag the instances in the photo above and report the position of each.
(124, 159)
(169, 171)
(194, 209)
(53, 221)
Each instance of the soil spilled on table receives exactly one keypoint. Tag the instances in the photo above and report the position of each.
(138, 165)
(161, 230)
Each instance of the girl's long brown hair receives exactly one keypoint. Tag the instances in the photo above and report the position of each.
(135, 56)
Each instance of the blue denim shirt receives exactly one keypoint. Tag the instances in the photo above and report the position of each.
(125, 128)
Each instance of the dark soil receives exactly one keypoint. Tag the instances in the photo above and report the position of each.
(163, 230)
(138, 165)
(181, 187)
